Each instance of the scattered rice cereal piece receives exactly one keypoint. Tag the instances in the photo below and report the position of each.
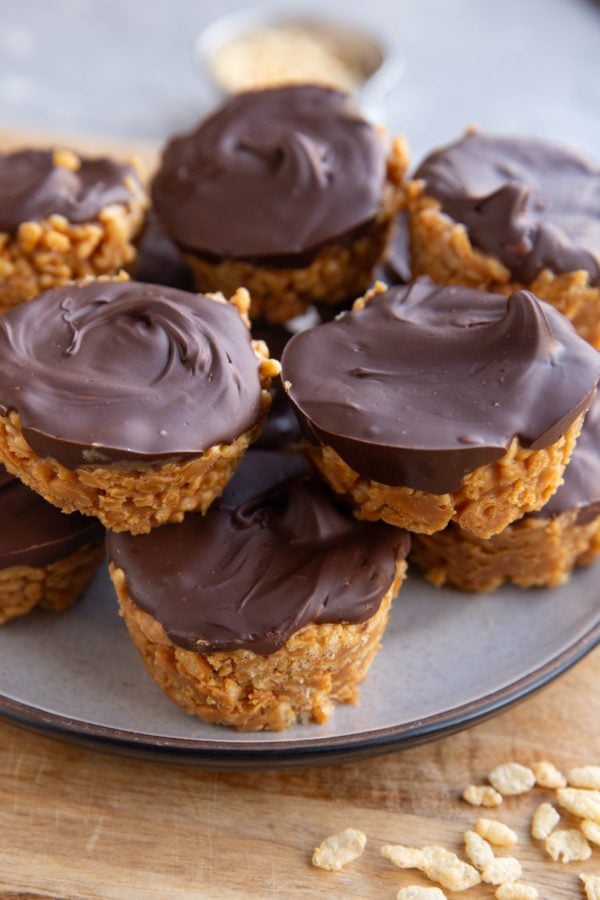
(545, 819)
(420, 893)
(496, 832)
(568, 846)
(591, 830)
(591, 886)
(448, 870)
(582, 803)
(502, 869)
(477, 849)
(511, 778)
(516, 891)
(585, 777)
(547, 775)
(339, 849)
(403, 857)
(482, 795)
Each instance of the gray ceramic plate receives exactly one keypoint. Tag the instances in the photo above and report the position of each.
(448, 660)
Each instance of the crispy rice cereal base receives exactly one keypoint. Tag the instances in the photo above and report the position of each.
(533, 552)
(54, 251)
(440, 248)
(135, 496)
(337, 272)
(54, 587)
(316, 665)
(489, 499)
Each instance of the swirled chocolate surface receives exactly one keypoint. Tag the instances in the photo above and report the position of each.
(428, 383)
(272, 175)
(114, 371)
(530, 203)
(32, 188)
(34, 533)
(581, 486)
(275, 553)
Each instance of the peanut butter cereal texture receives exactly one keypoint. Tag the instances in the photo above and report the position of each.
(382, 448)
(300, 203)
(73, 217)
(541, 549)
(286, 598)
(316, 666)
(451, 252)
(167, 349)
(53, 587)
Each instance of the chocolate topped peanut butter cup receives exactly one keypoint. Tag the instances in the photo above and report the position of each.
(34, 533)
(120, 371)
(425, 384)
(33, 187)
(275, 553)
(530, 203)
(273, 176)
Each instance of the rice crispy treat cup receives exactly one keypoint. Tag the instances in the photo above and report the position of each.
(75, 217)
(53, 587)
(387, 400)
(287, 191)
(317, 665)
(46, 558)
(541, 549)
(137, 491)
(286, 598)
(339, 271)
(489, 499)
(533, 552)
(443, 248)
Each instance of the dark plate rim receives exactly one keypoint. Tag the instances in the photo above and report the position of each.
(314, 750)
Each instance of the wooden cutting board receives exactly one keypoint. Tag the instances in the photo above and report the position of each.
(76, 823)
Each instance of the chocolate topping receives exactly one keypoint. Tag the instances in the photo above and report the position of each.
(427, 383)
(581, 487)
(277, 173)
(34, 533)
(112, 371)
(275, 553)
(32, 188)
(396, 268)
(528, 202)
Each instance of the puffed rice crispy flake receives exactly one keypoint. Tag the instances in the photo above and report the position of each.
(511, 778)
(545, 819)
(568, 846)
(338, 850)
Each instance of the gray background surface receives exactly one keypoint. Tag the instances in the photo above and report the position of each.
(125, 67)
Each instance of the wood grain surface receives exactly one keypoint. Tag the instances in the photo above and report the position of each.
(75, 823)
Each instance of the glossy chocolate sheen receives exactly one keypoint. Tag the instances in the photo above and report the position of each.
(33, 188)
(427, 383)
(581, 486)
(274, 554)
(530, 203)
(273, 175)
(34, 533)
(113, 371)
